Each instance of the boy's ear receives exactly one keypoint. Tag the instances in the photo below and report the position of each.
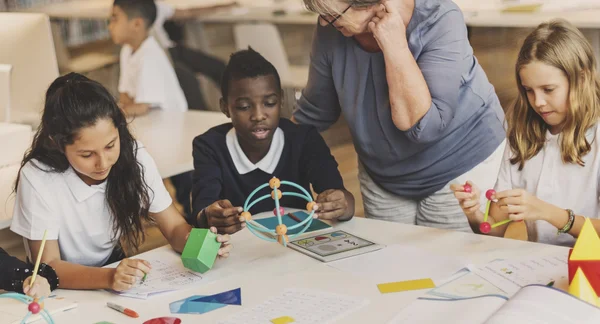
(139, 22)
(223, 106)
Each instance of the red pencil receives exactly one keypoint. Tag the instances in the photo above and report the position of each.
(292, 216)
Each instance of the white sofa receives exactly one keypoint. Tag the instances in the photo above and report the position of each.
(15, 139)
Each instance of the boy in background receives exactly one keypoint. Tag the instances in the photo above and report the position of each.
(147, 78)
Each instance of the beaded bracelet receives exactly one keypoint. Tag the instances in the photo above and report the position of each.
(20, 274)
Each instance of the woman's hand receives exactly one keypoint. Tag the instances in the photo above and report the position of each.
(388, 27)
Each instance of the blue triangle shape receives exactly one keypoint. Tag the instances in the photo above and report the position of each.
(231, 297)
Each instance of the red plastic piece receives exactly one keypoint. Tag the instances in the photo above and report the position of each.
(281, 211)
(34, 308)
(164, 320)
(490, 193)
(485, 227)
(467, 188)
(590, 268)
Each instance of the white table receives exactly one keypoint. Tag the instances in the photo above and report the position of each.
(263, 269)
(168, 136)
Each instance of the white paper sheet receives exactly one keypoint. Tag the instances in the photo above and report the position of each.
(13, 311)
(303, 305)
(511, 275)
(167, 274)
(465, 284)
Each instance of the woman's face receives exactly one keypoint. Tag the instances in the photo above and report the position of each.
(353, 20)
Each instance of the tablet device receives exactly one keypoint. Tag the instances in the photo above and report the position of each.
(333, 246)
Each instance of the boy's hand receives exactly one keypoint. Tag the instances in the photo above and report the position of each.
(469, 201)
(41, 287)
(128, 272)
(332, 204)
(226, 218)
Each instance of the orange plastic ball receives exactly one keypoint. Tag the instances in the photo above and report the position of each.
(274, 183)
(310, 206)
(281, 229)
(247, 215)
(279, 194)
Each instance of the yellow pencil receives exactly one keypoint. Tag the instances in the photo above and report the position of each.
(39, 258)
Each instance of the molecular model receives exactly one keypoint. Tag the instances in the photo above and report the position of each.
(485, 227)
(35, 306)
(280, 230)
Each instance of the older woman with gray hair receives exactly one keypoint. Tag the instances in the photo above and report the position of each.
(420, 108)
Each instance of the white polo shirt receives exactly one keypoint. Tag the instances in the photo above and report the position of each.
(164, 11)
(568, 186)
(74, 213)
(148, 77)
(266, 164)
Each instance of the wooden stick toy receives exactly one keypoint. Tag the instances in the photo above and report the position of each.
(39, 258)
(486, 227)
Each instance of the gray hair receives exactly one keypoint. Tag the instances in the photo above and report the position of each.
(325, 7)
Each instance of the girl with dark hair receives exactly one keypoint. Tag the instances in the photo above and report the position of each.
(91, 185)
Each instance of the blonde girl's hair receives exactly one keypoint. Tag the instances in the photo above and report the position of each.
(559, 44)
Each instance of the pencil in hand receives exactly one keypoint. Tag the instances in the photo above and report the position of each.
(39, 258)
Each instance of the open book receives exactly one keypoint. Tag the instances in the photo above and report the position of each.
(13, 311)
(531, 304)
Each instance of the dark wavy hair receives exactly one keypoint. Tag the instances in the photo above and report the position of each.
(74, 102)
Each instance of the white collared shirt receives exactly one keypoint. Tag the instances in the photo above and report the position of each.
(266, 164)
(74, 213)
(148, 77)
(568, 186)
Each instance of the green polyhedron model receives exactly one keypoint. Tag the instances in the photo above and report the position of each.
(200, 250)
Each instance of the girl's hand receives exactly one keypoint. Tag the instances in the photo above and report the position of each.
(469, 201)
(128, 272)
(520, 205)
(41, 287)
(388, 27)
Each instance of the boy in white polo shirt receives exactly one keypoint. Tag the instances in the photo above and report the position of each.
(147, 79)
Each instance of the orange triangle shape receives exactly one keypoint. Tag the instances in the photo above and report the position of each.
(587, 246)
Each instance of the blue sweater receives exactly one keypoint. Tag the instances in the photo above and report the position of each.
(305, 160)
(462, 127)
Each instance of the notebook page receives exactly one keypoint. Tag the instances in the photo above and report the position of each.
(540, 304)
(465, 311)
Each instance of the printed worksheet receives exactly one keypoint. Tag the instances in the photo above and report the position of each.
(511, 275)
(167, 274)
(304, 306)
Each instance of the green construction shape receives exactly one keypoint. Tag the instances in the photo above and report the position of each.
(200, 250)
